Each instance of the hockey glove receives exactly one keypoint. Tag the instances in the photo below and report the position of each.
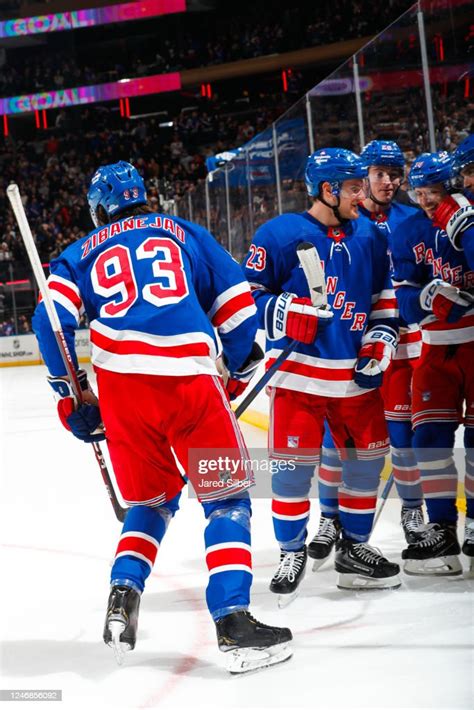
(375, 355)
(296, 318)
(83, 420)
(236, 383)
(445, 301)
(455, 214)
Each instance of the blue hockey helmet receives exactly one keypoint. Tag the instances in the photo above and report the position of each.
(115, 187)
(383, 153)
(333, 165)
(431, 169)
(463, 155)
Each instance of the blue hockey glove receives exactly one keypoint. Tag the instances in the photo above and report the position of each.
(375, 355)
(83, 420)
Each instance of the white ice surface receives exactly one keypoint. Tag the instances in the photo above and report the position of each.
(411, 648)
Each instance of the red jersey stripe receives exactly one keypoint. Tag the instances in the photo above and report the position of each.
(321, 373)
(414, 337)
(231, 307)
(384, 303)
(136, 347)
(69, 293)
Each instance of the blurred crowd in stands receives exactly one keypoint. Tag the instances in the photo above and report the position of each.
(53, 173)
(199, 43)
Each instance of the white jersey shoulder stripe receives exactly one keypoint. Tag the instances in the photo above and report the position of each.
(237, 319)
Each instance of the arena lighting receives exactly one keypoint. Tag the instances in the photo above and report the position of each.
(84, 95)
(76, 19)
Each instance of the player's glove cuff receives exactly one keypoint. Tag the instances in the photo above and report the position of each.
(375, 355)
(83, 420)
(276, 315)
(387, 337)
(295, 317)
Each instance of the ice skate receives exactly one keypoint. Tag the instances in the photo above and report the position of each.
(361, 566)
(289, 576)
(322, 544)
(251, 645)
(120, 629)
(468, 545)
(436, 554)
(413, 523)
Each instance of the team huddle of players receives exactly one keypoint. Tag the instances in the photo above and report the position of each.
(389, 367)
(386, 365)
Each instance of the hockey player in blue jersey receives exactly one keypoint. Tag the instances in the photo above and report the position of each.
(155, 289)
(455, 214)
(334, 372)
(385, 164)
(463, 164)
(435, 287)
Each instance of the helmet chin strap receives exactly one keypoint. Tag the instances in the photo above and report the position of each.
(378, 202)
(334, 208)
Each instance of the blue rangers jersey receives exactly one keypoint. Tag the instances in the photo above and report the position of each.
(359, 290)
(409, 342)
(154, 289)
(388, 220)
(421, 253)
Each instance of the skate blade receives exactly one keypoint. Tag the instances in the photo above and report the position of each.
(317, 564)
(469, 574)
(448, 566)
(246, 660)
(285, 600)
(359, 582)
(119, 648)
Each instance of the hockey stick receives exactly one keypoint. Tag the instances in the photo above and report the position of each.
(263, 381)
(15, 200)
(311, 265)
(383, 498)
